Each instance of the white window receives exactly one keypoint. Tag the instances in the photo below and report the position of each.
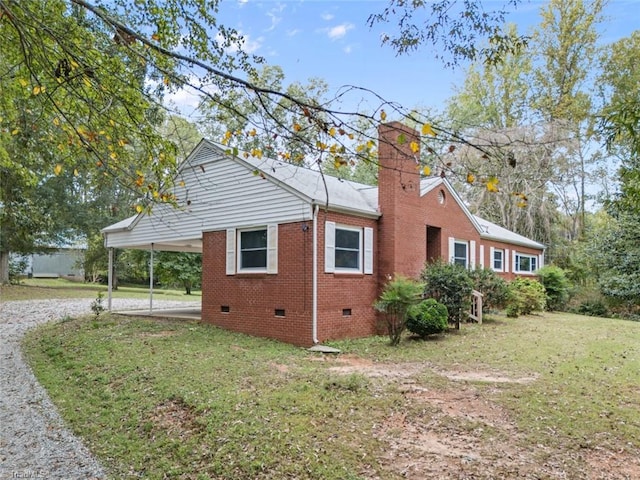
(252, 250)
(460, 251)
(348, 249)
(497, 260)
(523, 263)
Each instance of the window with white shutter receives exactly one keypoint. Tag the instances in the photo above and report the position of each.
(252, 250)
(348, 249)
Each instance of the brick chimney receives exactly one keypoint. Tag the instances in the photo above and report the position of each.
(402, 229)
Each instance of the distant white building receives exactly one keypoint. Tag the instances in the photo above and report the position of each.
(65, 262)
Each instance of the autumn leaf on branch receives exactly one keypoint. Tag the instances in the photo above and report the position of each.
(100, 96)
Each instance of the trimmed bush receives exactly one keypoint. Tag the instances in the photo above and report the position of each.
(524, 297)
(450, 285)
(556, 285)
(493, 287)
(427, 318)
(399, 296)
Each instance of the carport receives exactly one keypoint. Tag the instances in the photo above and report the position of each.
(152, 232)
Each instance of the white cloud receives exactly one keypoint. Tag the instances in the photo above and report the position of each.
(327, 16)
(248, 45)
(339, 31)
(185, 100)
(251, 46)
(273, 14)
(348, 49)
(293, 33)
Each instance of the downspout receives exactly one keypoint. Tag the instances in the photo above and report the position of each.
(151, 281)
(314, 288)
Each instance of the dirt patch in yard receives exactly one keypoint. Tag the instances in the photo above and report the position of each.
(622, 464)
(487, 377)
(461, 432)
(175, 418)
(352, 364)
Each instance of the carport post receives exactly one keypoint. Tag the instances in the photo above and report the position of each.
(110, 279)
(151, 281)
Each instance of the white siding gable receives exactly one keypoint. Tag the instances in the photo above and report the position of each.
(214, 195)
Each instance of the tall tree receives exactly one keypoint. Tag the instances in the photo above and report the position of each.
(494, 96)
(493, 106)
(615, 249)
(102, 67)
(620, 115)
(566, 44)
(180, 269)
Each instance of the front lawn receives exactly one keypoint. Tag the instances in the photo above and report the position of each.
(45, 288)
(553, 396)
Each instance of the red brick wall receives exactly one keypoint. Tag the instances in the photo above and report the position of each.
(449, 217)
(402, 236)
(338, 291)
(253, 298)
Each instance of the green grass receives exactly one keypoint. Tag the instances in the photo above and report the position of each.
(165, 398)
(170, 399)
(45, 288)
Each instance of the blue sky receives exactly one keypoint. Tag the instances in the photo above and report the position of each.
(331, 40)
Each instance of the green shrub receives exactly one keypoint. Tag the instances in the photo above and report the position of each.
(17, 267)
(593, 308)
(399, 296)
(450, 285)
(427, 318)
(525, 296)
(492, 286)
(556, 285)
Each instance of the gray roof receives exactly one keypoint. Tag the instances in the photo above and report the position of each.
(121, 225)
(317, 187)
(312, 186)
(491, 231)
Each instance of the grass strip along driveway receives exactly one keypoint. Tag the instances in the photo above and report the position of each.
(47, 288)
(552, 396)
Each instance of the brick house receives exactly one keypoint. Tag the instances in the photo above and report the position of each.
(292, 255)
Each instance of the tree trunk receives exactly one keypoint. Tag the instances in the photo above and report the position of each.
(4, 268)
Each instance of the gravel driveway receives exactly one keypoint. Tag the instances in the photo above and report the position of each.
(34, 442)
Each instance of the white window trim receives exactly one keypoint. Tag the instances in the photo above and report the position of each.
(493, 264)
(367, 262)
(505, 259)
(526, 255)
(360, 243)
(452, 250)
(233, 250)
(472, 254)
(365, 249)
